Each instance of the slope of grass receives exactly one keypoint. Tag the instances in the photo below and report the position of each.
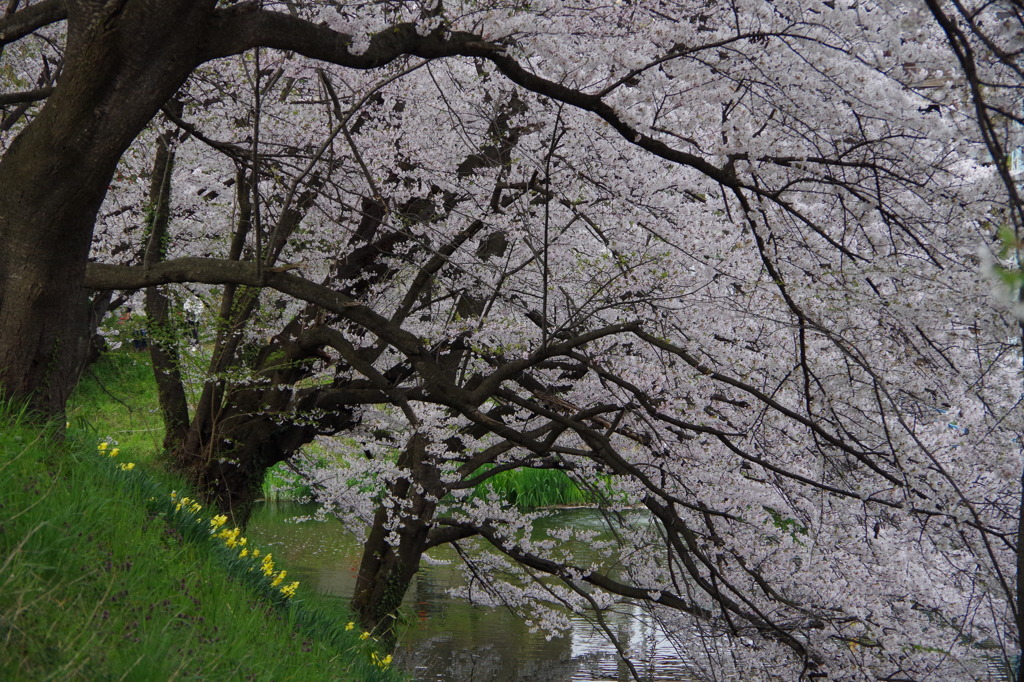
(105, 576)
(116, 400)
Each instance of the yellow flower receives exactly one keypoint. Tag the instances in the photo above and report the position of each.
(127, 466)
(244, 553)
(279, 579)
(195, 508)
(350, 626)
(365, 635)
(218, 521)
(115, 452)
(378, 661)
(268, 565)
(230, 537)
(289, 589)
(102, 446)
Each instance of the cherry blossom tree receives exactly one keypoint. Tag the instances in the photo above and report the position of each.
(723, 256)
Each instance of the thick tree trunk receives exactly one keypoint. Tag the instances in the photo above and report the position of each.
(228, 466)
(387, 569)
(238, 433)
(122, 63)
(47, 207)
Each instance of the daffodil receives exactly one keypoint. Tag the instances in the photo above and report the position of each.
(380, 662)
(102, 446)
(289, 589)
(364, 636)
(115, 452)
(218, 521)
(351, 626)
(279, 579)
(127, 466)
(230, 537)
(384, 662)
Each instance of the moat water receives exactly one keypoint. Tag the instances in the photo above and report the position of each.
(447, 639)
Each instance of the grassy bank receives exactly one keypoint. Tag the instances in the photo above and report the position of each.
(105, 576)
(116, 399)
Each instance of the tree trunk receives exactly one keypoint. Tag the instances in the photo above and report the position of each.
(227, 466)
(122, 63)
(47, 209)
(387, 569)
(163, 346)
(238, 432)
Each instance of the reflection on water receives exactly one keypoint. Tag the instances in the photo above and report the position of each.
(449, 640)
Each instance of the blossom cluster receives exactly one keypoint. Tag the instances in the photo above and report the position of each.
(795, 244)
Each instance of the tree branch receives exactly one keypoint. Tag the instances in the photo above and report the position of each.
(25, 97)
(32, 18)
(242, 27)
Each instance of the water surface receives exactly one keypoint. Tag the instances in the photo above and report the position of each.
(450, 640)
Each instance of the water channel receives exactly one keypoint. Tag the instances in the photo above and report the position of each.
(450, 640)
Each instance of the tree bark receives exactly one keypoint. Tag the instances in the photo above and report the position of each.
(163, 346)
(226, 464)
(387, 568)
(122, 64)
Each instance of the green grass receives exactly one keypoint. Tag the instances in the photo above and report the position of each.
(533, 488)
(101, 579)
(116, 399)
(281, 483)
